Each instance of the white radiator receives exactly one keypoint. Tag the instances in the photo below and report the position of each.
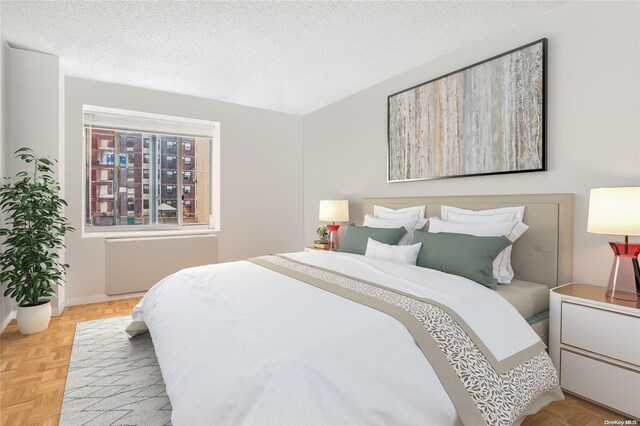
(136, 264)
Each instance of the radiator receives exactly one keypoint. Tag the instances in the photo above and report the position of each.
(136, 264)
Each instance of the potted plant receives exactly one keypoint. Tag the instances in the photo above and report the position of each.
(322, 231)
(33, 232)
(321, 242)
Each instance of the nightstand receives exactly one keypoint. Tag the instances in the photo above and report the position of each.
(314, 249)
(594, 342)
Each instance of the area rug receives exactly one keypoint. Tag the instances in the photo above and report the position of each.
(113, 380)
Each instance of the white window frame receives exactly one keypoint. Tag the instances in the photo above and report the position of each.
(115, 231)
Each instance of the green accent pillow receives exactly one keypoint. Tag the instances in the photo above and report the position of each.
(356, 238)
(465, 255)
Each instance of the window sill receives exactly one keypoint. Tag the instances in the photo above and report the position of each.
(149, 234)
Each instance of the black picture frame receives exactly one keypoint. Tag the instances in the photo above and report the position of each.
(487, 118)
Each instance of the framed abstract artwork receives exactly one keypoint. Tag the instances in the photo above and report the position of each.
(488, 118)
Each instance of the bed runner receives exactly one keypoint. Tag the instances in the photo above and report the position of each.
(482, 389)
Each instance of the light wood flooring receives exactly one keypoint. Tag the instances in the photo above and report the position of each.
(33, 372)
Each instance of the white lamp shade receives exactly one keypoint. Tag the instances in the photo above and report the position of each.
(614, 211)
(334, 210)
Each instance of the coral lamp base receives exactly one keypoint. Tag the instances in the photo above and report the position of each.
(624, 281)
(334, 243)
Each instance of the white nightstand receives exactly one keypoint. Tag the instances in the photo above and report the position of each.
(594, 342)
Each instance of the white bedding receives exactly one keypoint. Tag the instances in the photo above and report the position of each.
(241, 344)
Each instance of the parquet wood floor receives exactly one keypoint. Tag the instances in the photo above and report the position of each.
(33, 373)
(33, 369)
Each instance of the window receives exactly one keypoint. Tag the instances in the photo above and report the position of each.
(139, 191)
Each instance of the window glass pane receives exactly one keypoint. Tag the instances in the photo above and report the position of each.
(138, 178)
(129, 191)
(168, 202)
(196, 180)
(102, 168)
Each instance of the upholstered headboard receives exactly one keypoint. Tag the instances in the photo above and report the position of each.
(544, 254)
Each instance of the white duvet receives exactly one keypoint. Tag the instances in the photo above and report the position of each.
(241, 344)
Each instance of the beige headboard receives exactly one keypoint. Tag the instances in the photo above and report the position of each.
(544, 254)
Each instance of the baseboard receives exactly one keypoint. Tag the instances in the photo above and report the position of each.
(98, 298)
(7, 320)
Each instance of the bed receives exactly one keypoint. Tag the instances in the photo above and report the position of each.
(339, 338)
(542, 258)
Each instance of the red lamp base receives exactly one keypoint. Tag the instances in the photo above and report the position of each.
(624, 281)
(334, 244)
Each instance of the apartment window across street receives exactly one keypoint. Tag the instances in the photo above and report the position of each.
(132, 167)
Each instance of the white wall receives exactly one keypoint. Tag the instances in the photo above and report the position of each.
(6, 303)
(593, 124)
(261, 177)
(31, 113)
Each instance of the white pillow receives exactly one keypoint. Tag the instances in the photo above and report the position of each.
(408, 224)
(419, 225)
(502, 270)
(388, 215)
(417, 210)
(504, 214)
(400, 254)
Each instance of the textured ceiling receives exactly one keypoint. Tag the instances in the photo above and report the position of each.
(293, 57)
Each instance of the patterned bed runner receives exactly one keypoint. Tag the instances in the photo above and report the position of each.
(483, 389)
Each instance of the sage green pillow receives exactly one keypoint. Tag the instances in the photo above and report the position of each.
(356, 238)
(465, 255)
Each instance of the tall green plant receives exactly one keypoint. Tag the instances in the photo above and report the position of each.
(34, 231)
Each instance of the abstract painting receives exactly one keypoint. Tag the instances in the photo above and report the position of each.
(487, 118)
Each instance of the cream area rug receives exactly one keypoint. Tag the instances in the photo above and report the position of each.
(113, 380)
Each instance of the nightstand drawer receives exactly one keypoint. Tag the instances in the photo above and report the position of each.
(612, 334)
(613, 386)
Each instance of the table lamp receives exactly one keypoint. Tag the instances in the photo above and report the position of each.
(334, 211)
(616, 211)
